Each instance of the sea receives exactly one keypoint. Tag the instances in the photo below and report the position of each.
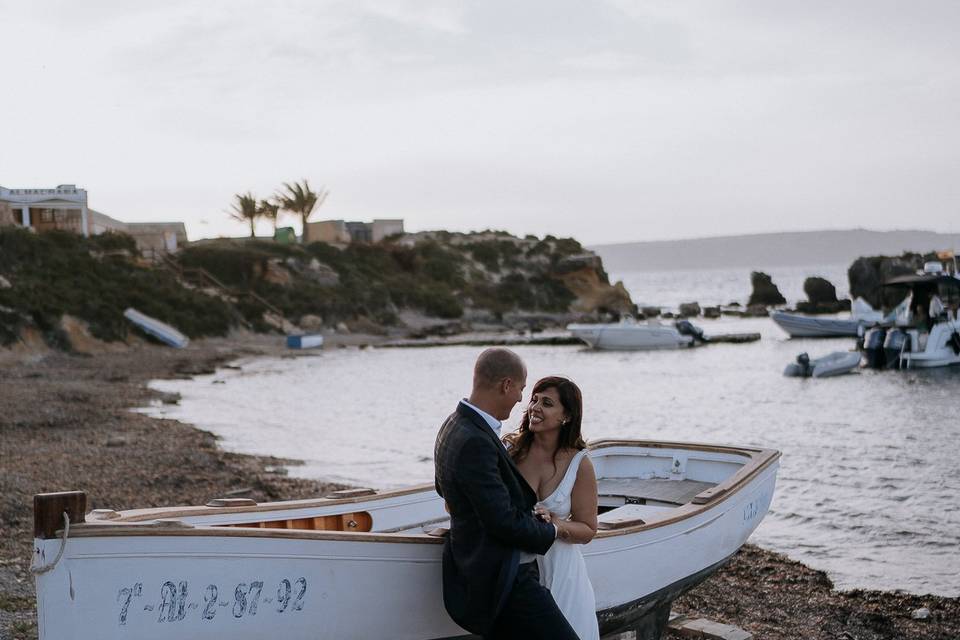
(869, 484)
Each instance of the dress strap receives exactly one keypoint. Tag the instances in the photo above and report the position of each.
(570, 477)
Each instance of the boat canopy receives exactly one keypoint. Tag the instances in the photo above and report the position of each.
(922, 281)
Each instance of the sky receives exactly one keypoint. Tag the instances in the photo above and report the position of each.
(608, 121)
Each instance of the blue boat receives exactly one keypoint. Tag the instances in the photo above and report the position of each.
(308, 341)
(159, 330)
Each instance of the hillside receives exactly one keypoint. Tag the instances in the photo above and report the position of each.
(770, 249)
(50, 281)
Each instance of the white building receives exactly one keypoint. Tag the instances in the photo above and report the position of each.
(62, 208)
(65, 208)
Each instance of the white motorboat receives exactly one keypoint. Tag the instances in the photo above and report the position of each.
(918, 342)
(368, 565)
(834, 364)
(801, 326)
(629, 335)
(938, 348)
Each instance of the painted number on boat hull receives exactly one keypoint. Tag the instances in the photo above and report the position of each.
(755, 507)
(176, 602)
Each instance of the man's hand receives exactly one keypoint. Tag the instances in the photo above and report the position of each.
(542, 513)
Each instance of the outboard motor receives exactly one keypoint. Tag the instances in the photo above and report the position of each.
(801, 368)
(873, 347)
(687, 328)
(897, 342)
(955, 342)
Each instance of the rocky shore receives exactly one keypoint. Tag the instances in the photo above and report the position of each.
(65, 423)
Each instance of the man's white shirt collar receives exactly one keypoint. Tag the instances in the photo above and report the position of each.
(492, 422)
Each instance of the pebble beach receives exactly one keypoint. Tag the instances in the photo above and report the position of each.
(66, 423)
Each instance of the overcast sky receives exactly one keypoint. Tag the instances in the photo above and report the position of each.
(607, 121)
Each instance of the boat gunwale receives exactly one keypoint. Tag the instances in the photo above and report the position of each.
(143, 522)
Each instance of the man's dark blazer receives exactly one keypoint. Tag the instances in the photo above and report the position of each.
(491, 519)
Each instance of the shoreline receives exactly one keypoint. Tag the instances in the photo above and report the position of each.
(66, 423)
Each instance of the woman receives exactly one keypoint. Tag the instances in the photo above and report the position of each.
(552, 457)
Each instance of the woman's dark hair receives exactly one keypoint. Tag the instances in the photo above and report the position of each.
(570, 438)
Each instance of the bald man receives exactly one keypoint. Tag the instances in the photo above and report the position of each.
(491, 585)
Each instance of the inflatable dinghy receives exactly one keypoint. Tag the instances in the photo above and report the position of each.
(835, 364)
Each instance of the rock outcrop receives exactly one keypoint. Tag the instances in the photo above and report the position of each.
(867, 276)
(689, 310)
(764, 291)
(821, 297)
(820, 290)
(584, 276)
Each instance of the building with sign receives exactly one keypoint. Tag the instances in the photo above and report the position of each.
(65, 208)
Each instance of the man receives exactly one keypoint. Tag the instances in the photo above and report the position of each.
(490, 581)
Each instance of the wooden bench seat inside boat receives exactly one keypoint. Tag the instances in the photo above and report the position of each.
(629, 515)
(357, 521)
(640, 491)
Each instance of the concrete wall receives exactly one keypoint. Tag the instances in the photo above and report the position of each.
(7, 215)
(384, 228)
(329, 231)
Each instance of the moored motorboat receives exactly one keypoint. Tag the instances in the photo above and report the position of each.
(801, 326)
(367, 565)
(927, 331)
(629, 335)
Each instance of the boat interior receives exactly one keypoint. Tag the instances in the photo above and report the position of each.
(640, 483)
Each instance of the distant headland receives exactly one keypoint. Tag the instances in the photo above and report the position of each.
(770, 249)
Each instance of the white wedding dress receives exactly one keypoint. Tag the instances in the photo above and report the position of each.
(562, 569)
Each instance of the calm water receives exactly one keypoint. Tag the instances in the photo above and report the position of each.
(868, 488)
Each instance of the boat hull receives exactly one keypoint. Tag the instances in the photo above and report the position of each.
(808, 327)
(154, 578)
(630, 337)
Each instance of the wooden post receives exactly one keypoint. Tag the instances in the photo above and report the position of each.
(48, 511)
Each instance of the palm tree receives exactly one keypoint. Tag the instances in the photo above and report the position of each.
(269, 210)
(301, 200)
(245, 210)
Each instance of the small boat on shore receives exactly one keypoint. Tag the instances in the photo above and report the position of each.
(834, 364)
(362, 564)
(305, 341)
(629, 335)
(159, 330)
(801, 326)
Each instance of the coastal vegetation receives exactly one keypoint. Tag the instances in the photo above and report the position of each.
(212, 286)
(94, 279)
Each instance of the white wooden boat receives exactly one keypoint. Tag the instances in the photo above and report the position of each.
(307, 341)
(159, 330)
(363, 565)
(800, 326)
(629, 335)
(834, 364)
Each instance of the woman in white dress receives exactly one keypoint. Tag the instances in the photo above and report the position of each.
(552, 456)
